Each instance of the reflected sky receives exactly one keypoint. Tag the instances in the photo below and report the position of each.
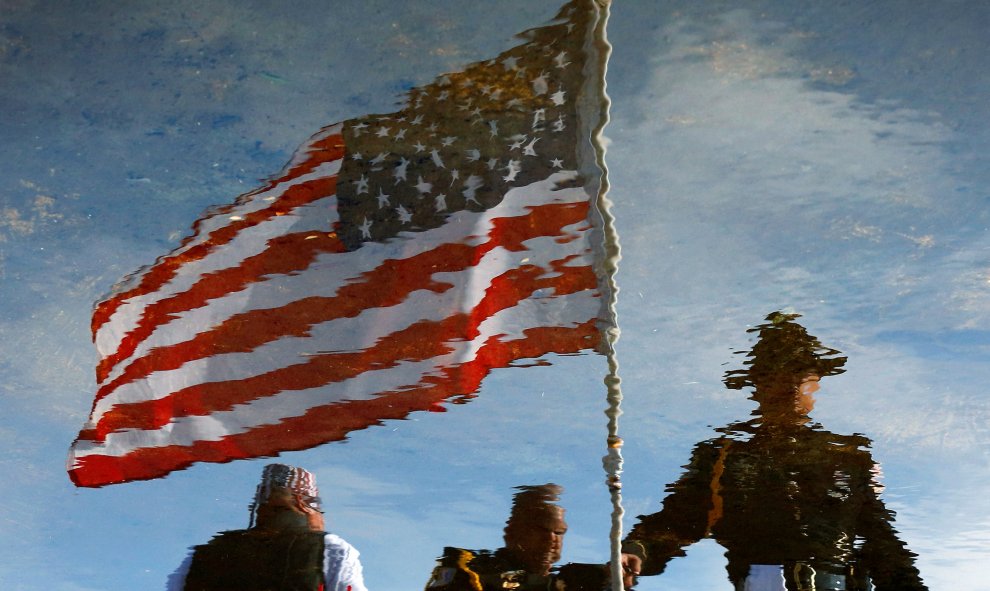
(394, 262)
(763, 155)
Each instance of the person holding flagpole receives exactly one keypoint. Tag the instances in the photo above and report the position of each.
(533, 541)
(795, 506)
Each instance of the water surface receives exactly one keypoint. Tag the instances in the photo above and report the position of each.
(826, 160)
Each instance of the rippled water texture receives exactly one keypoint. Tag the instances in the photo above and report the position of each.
(376, 240)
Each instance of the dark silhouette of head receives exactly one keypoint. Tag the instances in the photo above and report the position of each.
(784, 357)
(534, 532)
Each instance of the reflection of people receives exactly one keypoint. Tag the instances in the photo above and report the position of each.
(534, 537)
(795, 506)
(285, 546)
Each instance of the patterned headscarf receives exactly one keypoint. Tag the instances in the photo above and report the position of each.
(299, 482)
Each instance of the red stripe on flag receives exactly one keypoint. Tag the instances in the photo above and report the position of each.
(165, 269)
(387, 285)
(420, 341)
(287, 253)
(333, 422)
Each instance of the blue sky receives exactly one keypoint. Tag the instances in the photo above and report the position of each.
(763, 155)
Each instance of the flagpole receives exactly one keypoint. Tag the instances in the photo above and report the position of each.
(612, 461)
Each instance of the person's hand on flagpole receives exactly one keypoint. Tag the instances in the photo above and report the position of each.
(631, 566)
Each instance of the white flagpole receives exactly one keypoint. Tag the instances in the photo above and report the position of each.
(612, 461)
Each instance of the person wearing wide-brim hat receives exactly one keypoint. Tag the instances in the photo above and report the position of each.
(795, 506)
(783, 369)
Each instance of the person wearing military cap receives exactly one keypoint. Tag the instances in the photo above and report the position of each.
(534, 537)
(795, 506)
(285, 547)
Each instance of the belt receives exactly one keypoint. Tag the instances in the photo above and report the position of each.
(797, 576)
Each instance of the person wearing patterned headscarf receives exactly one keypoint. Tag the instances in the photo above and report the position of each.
(795, 506)
(284, 548)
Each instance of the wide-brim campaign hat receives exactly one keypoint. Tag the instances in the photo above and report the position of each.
(784, 348)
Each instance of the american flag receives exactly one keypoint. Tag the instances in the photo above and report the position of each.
(395, 261)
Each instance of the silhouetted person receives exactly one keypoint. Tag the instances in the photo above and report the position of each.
(796, 507)
(534, 538)
(285, 547)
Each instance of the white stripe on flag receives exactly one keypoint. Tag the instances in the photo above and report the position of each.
(326, 274)
(250, 241)
(184, 431)
(339, 334)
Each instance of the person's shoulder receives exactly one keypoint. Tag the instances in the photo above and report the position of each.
(853, 443)
(335, 541)
(336, 546)
(233, 533)
(341, 563)
(461, 569)
(462, 557)
(225, 539)
(452, 571)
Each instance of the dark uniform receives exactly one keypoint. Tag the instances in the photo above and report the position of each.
(255, 560)
(469, 570)
(792, 496)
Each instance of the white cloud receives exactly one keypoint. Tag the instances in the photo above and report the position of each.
(747, 179)
(751, 186)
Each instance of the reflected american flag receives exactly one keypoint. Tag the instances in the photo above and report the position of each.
(395, 261)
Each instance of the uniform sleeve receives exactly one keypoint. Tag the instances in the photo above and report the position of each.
(883, 557)
(685, 516)
(342, 568)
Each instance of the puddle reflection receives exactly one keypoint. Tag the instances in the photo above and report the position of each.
(794, 506)
(762, 154)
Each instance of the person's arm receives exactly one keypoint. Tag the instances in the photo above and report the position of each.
(583, 577)
(685, 517)
(883, 557)
(342, 570)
